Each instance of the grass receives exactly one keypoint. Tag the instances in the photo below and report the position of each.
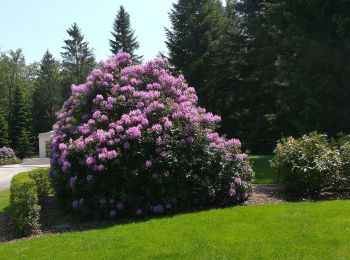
(263, 171)
(4, 199)
(286, 231)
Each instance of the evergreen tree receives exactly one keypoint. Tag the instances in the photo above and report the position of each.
(46, 96)
(204, 44)
(19, 124)
(4, 138)
(123, 36)
(184, 39)
(12, 67)
(313, 65)
(77, 59)
(258, 90)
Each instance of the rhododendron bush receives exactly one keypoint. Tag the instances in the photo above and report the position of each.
(132, 140)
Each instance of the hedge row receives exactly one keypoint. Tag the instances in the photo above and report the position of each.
(27, 189)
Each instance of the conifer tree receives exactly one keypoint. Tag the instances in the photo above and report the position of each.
(124, 39)
(4, 138)
(77, 59)
(19, 124)
(46, 97)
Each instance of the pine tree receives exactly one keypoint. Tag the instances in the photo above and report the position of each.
(19, 124)
(4, 138)
(184, 39)
(77, 59)
(203, 45)
(123, 36)
(46, 97)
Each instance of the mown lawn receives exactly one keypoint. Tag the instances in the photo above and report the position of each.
(263, 171)
(4, 199)
(306, 230)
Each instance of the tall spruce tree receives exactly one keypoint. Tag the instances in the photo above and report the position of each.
(20, 124)
(46, 96)
(77, 59)
(4, 137)
(124, 39)
(258, 91)
(184, 38)
(204, 44)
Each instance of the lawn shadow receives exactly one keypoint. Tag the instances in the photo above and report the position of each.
(5, 229)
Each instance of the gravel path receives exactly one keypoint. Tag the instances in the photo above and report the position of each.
(266, 194)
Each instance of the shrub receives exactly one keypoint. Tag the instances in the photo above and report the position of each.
(7, 156)
(312, 164)
(26, 190)
(6, 153)
(132, 140)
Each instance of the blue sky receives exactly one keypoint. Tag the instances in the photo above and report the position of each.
(38, 25)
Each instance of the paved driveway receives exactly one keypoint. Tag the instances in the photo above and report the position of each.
(8, 171)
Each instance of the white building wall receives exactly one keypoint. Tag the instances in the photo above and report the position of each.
(43, 138)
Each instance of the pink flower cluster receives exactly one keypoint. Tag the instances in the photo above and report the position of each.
(126, 111)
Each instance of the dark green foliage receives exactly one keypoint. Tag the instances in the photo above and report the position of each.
(4, 137)
(216, 49)
(123, 36)
(77, 59)
(20, 124)
(26, 191)
(313, 64)
(46, 96)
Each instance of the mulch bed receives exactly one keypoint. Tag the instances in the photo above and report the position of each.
(54, 220)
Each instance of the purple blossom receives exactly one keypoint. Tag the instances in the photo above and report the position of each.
(75, 204)
(190, 139)
(232, 192)
(241, 156)
(72, 181)
(133, 132)
(238, 181)
(90, 161)
(234, 142)
(158, 209)
(148, 163)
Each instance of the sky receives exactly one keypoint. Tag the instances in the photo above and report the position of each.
(38, 25)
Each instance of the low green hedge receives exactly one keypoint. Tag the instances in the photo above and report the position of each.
(27, 189)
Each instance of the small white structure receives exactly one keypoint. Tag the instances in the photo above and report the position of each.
(44, 139)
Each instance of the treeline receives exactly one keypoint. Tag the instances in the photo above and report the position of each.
(32, 94)
(270, 68)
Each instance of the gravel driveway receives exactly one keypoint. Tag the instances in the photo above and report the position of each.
(8, 171)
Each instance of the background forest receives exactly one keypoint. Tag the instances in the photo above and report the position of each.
(270, 68)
